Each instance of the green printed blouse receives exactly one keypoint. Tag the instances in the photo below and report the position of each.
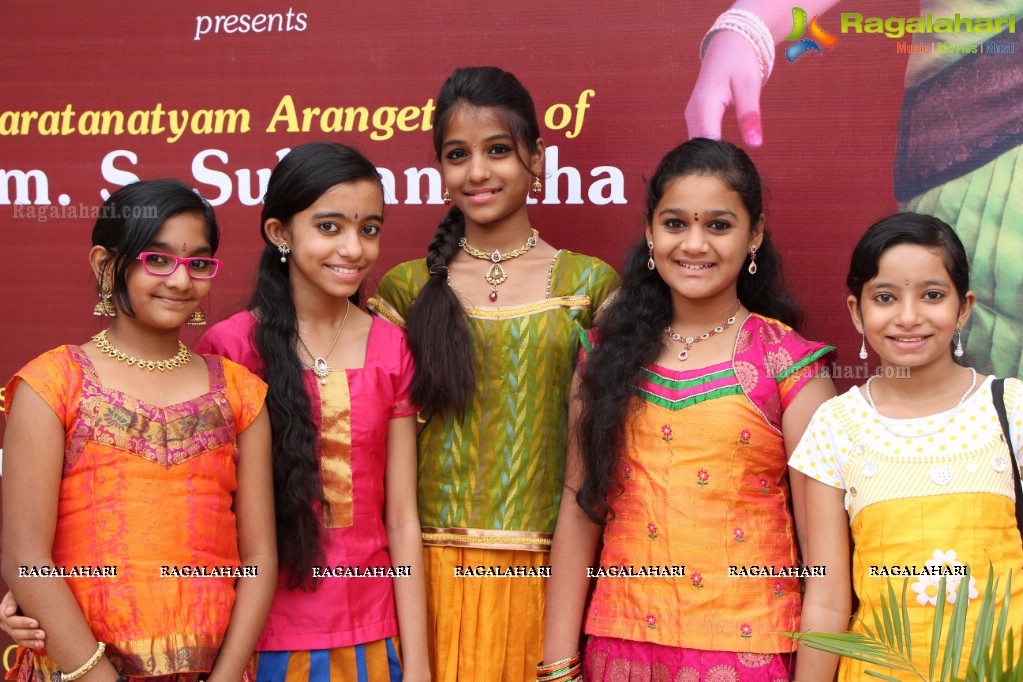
(493, 478)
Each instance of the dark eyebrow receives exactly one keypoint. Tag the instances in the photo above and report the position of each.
(343, 216)
(714, 212)
(492, 138)
(164, 247)
(892, 285)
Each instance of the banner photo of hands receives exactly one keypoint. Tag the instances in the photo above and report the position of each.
(848, 111)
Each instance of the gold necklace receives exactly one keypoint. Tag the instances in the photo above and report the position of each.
(320, 367)
(180, 359)
(688, 341)
(495, 274)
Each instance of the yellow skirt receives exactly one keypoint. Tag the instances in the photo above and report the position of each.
(483, 629)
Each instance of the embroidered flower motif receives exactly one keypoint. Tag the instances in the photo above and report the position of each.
(652, 528)
(697, 580)
(946, 561)
(666, 433)
(651, 622)
(744, 436)
(926, 590)
(745, 631)
(740, 535)
(702, 477)
(628, 472)
(593, 616)
(952, 588)
(778, 588)
(763, 485)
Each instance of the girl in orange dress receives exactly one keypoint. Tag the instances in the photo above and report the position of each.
(692, 388)
(136, 474)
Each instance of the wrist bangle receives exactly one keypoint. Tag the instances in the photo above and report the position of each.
(753, 29)
(85, 667)
(566, 670)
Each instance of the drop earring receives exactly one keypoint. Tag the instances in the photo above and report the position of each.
(537, 186)
(284, 250)
(959, 352)
(752, 268)
(446, 197)
(105, 306)
(197, 319)
(650, 259)
(863, 346)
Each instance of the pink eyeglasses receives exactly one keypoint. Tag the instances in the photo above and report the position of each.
(163, 264)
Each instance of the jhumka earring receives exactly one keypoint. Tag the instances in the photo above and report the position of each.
(650, 265)
(958, 352)
(105, 306)
(752, 269)
(284, 250)
(446, 197)
(863, 346)
(537, 186)
(197, 319)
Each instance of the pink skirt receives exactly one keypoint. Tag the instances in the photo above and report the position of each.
(618, 660)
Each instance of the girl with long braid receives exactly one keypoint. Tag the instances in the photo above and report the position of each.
(493, 315)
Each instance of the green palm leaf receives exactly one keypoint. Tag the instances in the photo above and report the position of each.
(992, 653)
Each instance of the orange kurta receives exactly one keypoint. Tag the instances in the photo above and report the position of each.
(147, 492)
(704, 489)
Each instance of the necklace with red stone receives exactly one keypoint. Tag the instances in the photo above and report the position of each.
(495, 274)
(688, 341)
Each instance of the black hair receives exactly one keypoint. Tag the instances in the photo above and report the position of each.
(130, 219)
(437, 331)
(299, 179)
(631, 330)
(908, 228)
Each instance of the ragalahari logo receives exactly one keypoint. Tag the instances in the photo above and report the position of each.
(803, 45)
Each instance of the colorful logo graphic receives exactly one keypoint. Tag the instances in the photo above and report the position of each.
(803, 45)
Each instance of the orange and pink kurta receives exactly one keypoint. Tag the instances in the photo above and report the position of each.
(147, 490)
(704, 487)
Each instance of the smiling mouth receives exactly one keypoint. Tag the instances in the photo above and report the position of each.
(691, 266)
(343, 270)
(908, 339)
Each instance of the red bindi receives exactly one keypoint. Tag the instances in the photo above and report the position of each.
(183, 247)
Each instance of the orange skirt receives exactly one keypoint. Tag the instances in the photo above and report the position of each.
(483, 629)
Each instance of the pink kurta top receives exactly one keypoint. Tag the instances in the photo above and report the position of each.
(352, 413)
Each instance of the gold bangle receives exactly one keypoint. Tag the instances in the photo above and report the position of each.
(85, 667)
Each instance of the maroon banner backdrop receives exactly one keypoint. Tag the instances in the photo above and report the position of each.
(97, 95)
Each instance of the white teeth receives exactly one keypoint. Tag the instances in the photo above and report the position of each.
(909, 339)
(345, 271)
(687, 266)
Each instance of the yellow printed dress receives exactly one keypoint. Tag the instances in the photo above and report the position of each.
(922, 497)
(490, 483)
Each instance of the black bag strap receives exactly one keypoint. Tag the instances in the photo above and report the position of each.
(998, 397)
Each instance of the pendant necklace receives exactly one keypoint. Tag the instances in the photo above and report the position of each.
(688, 341)
(496, 275)
(320, 367)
